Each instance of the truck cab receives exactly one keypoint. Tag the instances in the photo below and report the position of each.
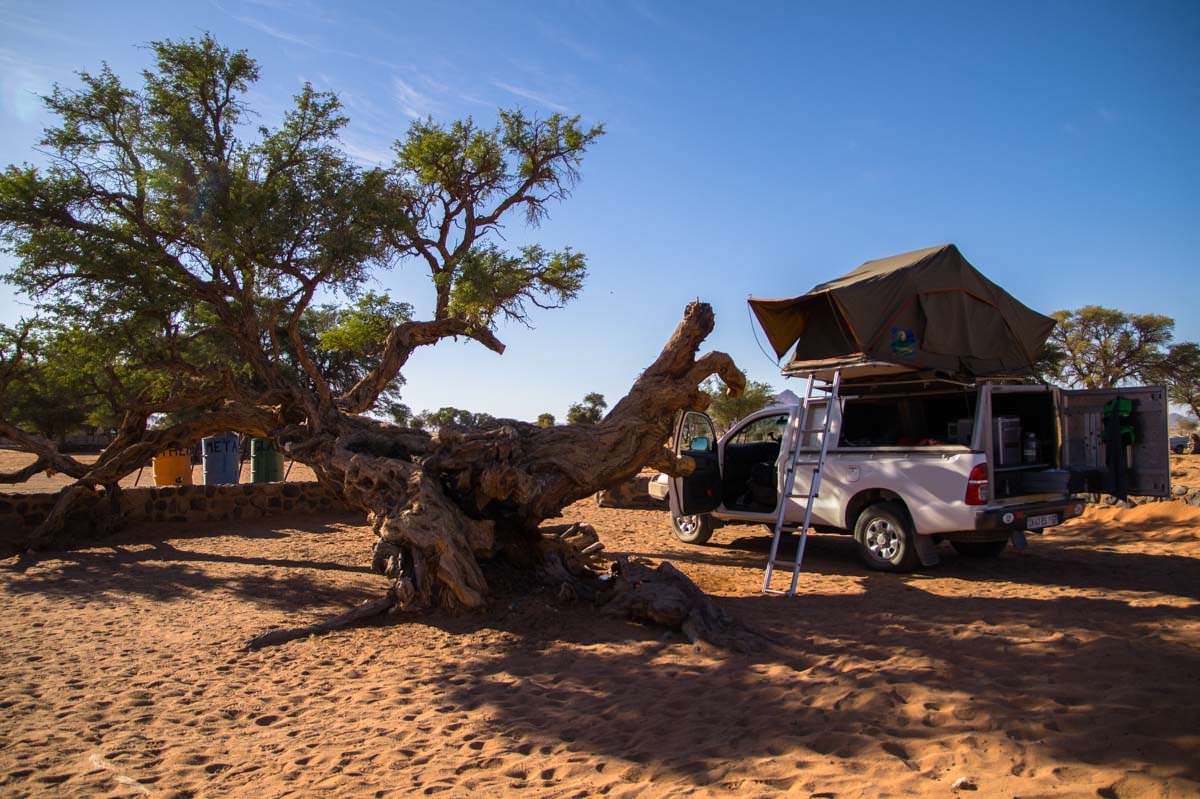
(912, 463)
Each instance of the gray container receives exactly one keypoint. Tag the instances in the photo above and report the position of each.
(1006, 440)
(221, 462)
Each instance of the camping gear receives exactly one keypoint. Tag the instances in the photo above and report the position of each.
(815, 396)
(1006, 440)
(922, 310)
(221, 466)
(266, 461)
(1032, 452)
(173, 467)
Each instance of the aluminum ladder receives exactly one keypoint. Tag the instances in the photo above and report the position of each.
(814, 394)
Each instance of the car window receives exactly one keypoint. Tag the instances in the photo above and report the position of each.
(768, 428)
(697, 434)
(816, 421)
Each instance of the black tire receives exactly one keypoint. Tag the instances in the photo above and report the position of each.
(695, 529)
(884, 537)
(979, 549)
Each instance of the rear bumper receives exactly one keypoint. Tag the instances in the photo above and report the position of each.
(1016, 517)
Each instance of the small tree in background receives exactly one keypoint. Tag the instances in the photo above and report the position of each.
(1180, 373)
(725, 409)
(590, 411)
(545, 420)
(1095, 347)
(451, 416)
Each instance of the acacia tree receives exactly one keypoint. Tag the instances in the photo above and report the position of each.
(589, 411)
(725, 409)
(1097, 347)
(194, 246)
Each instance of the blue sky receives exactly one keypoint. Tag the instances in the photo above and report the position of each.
(752, 149)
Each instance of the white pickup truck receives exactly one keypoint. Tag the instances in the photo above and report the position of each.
(911, 464)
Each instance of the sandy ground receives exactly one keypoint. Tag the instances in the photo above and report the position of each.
(11, 460)
(1069, 669)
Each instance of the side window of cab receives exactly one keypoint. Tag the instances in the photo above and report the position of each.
(766, 429)
(697, 434)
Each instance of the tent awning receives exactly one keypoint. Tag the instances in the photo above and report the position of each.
(926, 310)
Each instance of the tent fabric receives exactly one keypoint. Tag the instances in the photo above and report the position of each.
(926, 310)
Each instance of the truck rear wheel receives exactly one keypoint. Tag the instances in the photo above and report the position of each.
(694, 529)
(885, 538)
(979, 549)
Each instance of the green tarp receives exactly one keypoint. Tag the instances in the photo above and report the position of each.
(925, 310)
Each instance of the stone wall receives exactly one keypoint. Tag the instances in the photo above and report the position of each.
(21, 513)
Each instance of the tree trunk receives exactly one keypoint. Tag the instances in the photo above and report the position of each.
(440, 504)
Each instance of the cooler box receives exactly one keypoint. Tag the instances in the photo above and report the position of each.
(1006, 440)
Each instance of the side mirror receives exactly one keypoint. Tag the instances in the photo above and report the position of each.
(699, 444)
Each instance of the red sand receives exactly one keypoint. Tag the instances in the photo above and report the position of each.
(1070, 669)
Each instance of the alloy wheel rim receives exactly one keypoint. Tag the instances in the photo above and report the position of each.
(687, 524)
(883, 539)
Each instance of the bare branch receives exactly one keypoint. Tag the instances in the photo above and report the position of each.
(400, 344)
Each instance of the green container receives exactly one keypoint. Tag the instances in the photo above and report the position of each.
(266, 461)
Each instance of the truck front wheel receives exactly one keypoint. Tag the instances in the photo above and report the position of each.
(695, 529)
(885, 538)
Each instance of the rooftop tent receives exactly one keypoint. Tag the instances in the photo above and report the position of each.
(926, 310)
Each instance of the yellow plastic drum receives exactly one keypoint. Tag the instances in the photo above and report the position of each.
(173, 467)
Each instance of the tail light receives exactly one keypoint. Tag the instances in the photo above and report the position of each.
(977, 486)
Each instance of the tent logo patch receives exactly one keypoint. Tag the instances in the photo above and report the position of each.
(903, 341)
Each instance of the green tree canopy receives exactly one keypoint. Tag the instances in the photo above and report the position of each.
(215, 268)
(545, 420)
(589, 411)
(725, 410)
(434, 420)
(1097, 347)
(1180, 372)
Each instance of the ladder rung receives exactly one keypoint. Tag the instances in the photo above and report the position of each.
(812, 394)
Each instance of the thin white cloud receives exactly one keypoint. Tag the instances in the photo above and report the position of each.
(369, 154)
(23, 83)
(646, 12)
(470, 98)
(263, 27)
(531, 95)
(412, 102)
(563, 40)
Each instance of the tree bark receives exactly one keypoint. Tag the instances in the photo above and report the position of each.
(440, 504)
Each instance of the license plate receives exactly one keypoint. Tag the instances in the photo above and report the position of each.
(1038, 522)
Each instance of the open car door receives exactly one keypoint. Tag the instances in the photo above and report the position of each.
(1115, 441)
(700, 491)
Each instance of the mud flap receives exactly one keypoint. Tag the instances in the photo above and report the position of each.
(1018, 539)
(926, 550)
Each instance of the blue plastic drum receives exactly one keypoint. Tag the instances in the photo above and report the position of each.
(221, 459)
